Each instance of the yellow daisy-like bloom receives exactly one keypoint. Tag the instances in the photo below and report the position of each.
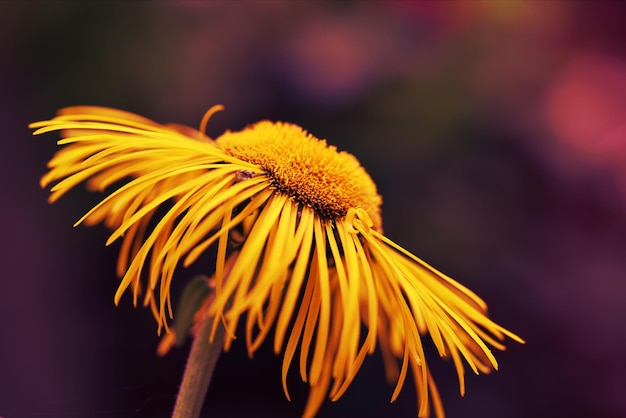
(300, 224)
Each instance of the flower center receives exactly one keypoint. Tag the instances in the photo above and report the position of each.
(305, 168)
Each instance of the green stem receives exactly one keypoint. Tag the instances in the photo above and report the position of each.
(199, 369)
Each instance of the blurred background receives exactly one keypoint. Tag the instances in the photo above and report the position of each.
(496, 132)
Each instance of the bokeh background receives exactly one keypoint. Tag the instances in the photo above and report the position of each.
(496, 132)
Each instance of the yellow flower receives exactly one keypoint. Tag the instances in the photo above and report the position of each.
(300, 225)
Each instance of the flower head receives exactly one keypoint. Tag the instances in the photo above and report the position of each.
(300, 225)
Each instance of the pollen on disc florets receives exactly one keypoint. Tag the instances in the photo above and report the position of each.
(306, 168)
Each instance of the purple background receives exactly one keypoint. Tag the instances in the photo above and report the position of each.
(496, 132)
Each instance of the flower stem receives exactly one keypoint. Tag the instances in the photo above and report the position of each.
(199, 369)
